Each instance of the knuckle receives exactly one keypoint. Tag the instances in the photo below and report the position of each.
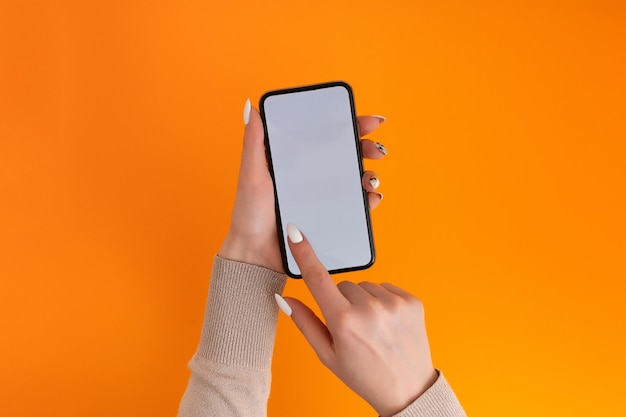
(416, 305)
(317, 275)
(416, 302)
(376, 307)
(346, 321)
(396, 304)
(374, 311)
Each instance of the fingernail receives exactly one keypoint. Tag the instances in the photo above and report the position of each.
(381, 196)
(246, 112)
(375, 182)
(282, 304)
(381, 148)
(382, 119)
(294, 234)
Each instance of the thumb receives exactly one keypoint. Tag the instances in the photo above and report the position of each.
(253, 161)
(313, 329)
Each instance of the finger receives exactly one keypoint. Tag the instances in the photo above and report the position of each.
(377, 291)
(368, 124)
(372, 150)
(398, 291)
(253, 160)
(374, 199)
(314, 274)
(353, 293)
(313, 329)
(370, 181)
(415, 303)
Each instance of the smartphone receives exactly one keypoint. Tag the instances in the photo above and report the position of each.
(314, 157)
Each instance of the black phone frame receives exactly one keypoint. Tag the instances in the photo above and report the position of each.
(268, 154)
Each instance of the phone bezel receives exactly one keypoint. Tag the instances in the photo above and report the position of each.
(357, 137)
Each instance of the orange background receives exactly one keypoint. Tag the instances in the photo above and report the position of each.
(504, 210)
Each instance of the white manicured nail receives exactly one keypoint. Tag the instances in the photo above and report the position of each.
(282, 304)
(374, 182)
(294, 234)
(246, 112)
(382, 119)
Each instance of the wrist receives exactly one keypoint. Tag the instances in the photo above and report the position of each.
(239, 249)
(397, 407)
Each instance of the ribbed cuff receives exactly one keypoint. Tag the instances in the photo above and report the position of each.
(241, 314)
(438, 401)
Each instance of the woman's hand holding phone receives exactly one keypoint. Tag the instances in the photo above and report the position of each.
(252, 237)
(374, 338)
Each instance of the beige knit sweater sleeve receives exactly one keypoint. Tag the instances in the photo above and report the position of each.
(230, 371)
